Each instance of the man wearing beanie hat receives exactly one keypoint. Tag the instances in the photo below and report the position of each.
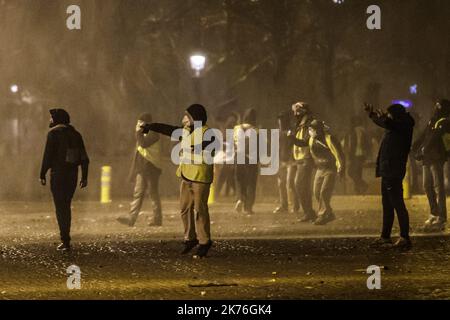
(196, 179)
(64, 153)
(145, 172)
(431, 148)
(328, 158)
(391, 167)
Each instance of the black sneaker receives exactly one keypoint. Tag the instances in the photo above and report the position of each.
(203, 249)
(126, 221)
(189, 245)
(63, 247)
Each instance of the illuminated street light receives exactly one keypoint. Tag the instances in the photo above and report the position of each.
(198, 63)
(338, 1)
(14, 88)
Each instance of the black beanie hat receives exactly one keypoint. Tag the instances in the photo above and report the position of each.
(60, 116)
(197, 113)
(146, 117)
(396, 110)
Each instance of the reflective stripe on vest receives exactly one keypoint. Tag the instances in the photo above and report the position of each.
(152, 153)
(300, 153)
(330, 146)
(196, 170)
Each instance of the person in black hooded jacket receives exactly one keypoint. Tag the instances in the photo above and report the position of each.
(429, 148)
(64, 153)
(391, 167)
(196, 178)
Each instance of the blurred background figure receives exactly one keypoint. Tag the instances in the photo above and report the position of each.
(246, 174)
(432, 150)
(357, 149)
(145, 172)
(288, 169)
(226, 180)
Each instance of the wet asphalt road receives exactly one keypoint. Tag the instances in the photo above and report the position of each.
(259, 257)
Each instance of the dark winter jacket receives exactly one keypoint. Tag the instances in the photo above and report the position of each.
(140, 165)
(429, 146)
(396, 144)
(64, 151)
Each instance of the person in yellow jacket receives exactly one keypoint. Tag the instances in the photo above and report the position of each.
(196, 176)
(328, 157)
(145, 172)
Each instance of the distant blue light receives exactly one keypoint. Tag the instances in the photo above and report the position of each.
(413, 89)
(405, 103)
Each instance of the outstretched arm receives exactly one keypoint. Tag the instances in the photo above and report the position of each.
(162, 128)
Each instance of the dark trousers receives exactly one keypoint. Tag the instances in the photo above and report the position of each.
(226, 179)
(194, 211)
(246, 179)
(63, 185)
(433, 184)
(286, 185)
(146, 184)
(355, 172)
(303, 185)
(324, 182)
(392, 197)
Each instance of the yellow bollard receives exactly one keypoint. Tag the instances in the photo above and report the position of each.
(211, 198)
(407, 182)
(105, 191)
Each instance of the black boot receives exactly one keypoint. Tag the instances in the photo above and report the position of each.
(203, 249)
(189, 245)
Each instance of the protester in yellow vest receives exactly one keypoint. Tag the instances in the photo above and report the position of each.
(196, 177)
(328, 157)
(145, 172)
(303, 161)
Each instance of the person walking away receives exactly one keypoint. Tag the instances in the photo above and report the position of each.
(246, 174)
(145, 172)
(328, 157)
(196, 179)
(391, 167)
(64, 153)
(430, 149)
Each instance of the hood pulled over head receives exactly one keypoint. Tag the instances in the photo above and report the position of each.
(198, 113)
(59, 116)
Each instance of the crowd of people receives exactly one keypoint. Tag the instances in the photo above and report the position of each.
(312, 159)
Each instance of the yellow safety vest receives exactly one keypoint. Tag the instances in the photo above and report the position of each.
(332, 148)
(152, 153)
(197, 170)
(301, 153)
